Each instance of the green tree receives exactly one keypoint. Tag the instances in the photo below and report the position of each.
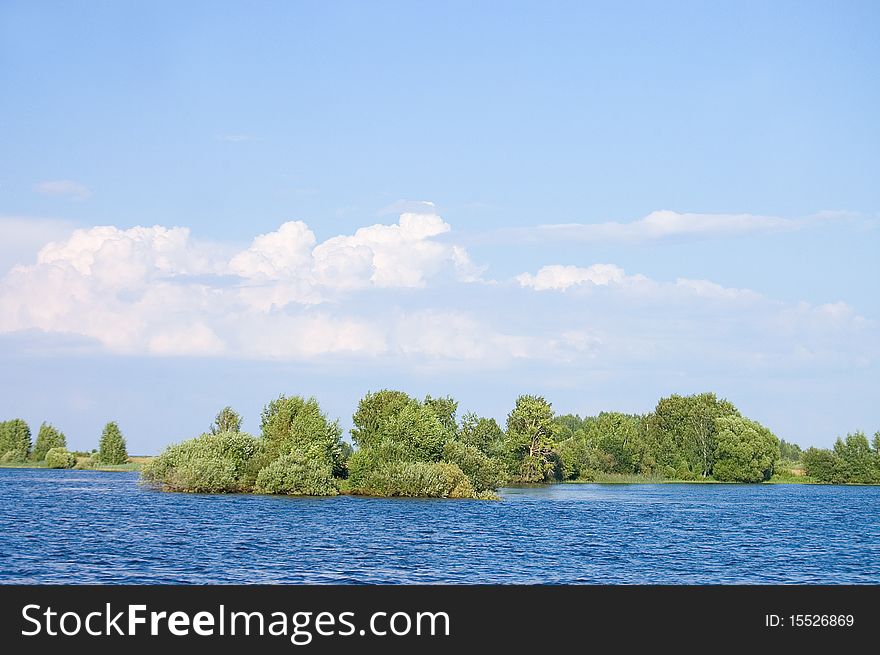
(47, 438)
(483, 472)
(481, 433)
(111, 448)
(856, 460)
(15, 440)
(529, 440)
(227, 420)
(445, 410)
(820, 464)
(293, 424)
(59, 458)
(790, 452)
(745, 451)
(683, 429)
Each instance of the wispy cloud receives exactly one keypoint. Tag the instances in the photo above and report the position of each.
(235, 138)
(63, 189)
(663, 224)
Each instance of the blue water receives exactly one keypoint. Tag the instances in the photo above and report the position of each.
(85, 526)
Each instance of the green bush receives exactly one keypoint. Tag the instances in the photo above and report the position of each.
(417, 480)
(226, 462)
(484, 473)
(59, 458)
(296, 475)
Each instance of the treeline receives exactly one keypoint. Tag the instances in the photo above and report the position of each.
(404, 446)
(51, 446)
(852, 460)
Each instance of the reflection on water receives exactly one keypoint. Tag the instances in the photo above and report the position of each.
(86, 526)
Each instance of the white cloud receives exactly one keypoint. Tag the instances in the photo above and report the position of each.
(559, 278)
(155, 290)
(379, 293)
(63, 189)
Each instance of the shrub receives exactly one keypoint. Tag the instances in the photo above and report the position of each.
(296, 475)
(484, 473)
(111, 449)
(59, 458)
(417, 479)
(226, 462)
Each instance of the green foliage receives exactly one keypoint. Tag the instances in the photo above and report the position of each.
(529, 441)
(47, 438)
(819, 464)
(59, 458)
(296, 475)
(111, 448)
(789, 452)
(853, 460)
(212, 463)
(418, 480)
(745, 451)
(373, 411)
(481, 433)
(682, 430)
(484, 473)
(227, 420)
(296, 425)
(445, 410)
(15, 441)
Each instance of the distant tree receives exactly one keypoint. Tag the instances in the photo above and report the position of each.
(856, 460)
(819, 464)
(745, 451)
(482, 433)
(529, 440)
(47, 438)
(111, 448)
(59, 458)
(445, 410)
(15, 440)
(227, 420)
(790, 452)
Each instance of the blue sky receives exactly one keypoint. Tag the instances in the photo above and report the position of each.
(714, 167)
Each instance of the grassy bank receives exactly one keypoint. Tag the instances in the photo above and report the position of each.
(83, 464)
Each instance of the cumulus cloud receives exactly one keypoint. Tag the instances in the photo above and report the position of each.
(63, 189)
(156, 290)
(396, 291)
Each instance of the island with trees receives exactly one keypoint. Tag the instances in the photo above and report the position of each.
(402, 446)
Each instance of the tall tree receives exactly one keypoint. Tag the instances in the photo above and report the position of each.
(47, 438)
(111, 449)
(227, 420)
(293, 424)
(529, 440)
(15, 440)
(684, 429)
